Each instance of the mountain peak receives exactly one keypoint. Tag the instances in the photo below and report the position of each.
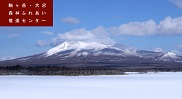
(77, 46)
(168, 56)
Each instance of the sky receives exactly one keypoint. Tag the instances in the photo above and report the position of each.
(153, 25)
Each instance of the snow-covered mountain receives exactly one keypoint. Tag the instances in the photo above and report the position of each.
(89, 48)
(77, 47)
(88, 54)
(94, 48)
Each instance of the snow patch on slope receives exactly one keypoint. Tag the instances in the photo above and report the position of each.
(168, 56)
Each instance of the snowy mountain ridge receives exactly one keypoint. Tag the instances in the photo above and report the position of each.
(77, 46)
(78, 53)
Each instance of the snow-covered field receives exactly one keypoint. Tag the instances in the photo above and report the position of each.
(133, 86)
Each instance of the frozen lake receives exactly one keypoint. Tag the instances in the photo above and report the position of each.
(133, 86)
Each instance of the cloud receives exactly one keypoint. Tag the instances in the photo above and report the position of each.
(74, 35)
(71, 20)
(48, 33)
(79, 34)
(158, 50)
(103, 35)
(14, 35)
(177, 3)
(168, 26)
(138, 28)
(98, 35)
(41, 43)
(6, 58)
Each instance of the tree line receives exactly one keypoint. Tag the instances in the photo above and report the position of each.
(57, 70)
(76, 71)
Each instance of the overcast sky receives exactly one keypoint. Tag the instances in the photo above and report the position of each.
(154, 25)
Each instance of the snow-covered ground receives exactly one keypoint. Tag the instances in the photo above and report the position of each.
(133, 86)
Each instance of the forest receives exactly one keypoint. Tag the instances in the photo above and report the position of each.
(76, 71)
